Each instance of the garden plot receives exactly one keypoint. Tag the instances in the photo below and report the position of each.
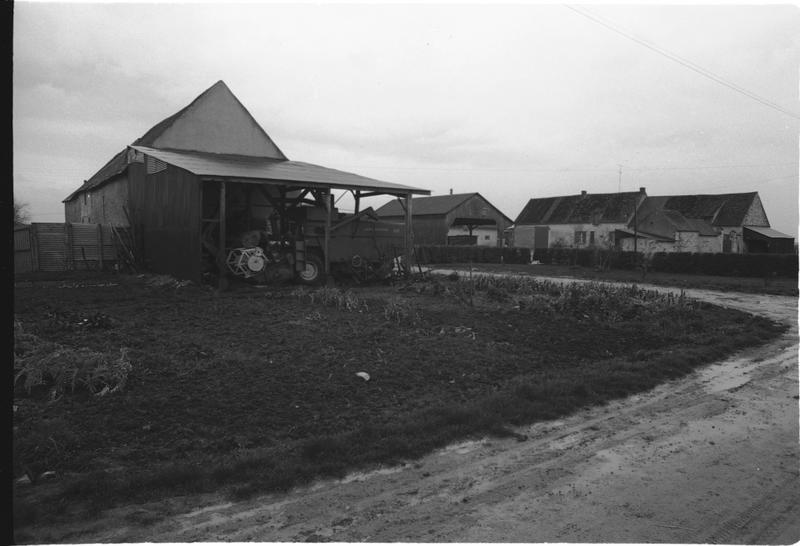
(260, 389)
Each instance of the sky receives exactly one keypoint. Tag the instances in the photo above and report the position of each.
(515, 101)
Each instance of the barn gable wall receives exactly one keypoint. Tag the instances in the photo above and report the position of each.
(756, 215)
(217, 123)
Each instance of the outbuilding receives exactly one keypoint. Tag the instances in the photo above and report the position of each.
(208, 186)
(453, 219)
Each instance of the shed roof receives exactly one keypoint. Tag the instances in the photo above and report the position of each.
(258, 169)
(768, 232)
(578, 209)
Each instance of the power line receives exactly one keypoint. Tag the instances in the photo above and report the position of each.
(565, 169)
(688, 64)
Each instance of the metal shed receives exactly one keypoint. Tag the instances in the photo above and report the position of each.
(181, 203)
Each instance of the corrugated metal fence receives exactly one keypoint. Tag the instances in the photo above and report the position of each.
(64, 247)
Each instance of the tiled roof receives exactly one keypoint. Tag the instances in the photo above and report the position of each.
(727, 209)
(421, 206)
(115, 166)
(579, 209)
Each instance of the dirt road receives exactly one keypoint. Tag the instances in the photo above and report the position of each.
(712, 458)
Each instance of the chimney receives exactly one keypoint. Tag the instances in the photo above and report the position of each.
(641, 190)
(583, 193)
(451, 191)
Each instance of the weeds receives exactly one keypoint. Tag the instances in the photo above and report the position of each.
(401, 311)
(332, 297)
(44, 363)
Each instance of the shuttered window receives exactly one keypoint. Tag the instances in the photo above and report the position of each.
(154, 165)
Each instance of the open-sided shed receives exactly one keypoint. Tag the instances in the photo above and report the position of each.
(207, 186)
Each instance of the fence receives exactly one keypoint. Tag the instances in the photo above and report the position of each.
(442, 254)
(67, 247)
(729, 265)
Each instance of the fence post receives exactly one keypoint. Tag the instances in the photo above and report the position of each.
(34, 240)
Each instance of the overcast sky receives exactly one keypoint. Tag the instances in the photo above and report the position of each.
(513, 101)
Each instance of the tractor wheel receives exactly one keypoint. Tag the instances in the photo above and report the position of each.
(314, 271)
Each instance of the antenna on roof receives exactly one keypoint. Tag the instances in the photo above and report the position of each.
(619, 188)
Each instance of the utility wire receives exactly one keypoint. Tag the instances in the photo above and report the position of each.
(566, 169)
(688, 64)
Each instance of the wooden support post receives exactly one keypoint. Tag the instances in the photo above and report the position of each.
(68, 258)
(409, 236)
(221, 257)
(100, 244)
(328, 213)
(357, 196)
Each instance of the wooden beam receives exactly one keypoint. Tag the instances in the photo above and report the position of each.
(373, 193)
(409, 235)
(221, 258)
(328, 213)
(100, 244)
(357, 197)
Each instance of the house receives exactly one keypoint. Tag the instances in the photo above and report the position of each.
(728, 223)
(731, 222)
(207, 174)
(453, 219)
(579, 221)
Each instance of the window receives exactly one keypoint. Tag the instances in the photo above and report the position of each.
(591, 237)
(580, 238)
(487, 237)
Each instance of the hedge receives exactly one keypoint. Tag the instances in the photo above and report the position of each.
(728, 265)
(443, 254)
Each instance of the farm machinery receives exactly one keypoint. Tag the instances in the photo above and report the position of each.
(360, 246)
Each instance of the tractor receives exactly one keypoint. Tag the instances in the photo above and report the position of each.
(361, 247)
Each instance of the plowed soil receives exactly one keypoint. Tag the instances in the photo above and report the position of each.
(712, 457)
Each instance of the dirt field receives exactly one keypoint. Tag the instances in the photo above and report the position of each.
(709, 458)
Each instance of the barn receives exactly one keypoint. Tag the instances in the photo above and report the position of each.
(454, 219)
(208, 190)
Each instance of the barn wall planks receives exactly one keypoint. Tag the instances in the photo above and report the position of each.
(166, 218)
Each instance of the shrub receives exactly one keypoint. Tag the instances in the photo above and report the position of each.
(726, 265)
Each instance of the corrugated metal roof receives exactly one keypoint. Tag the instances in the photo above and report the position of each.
(768, 232)
(259, 168)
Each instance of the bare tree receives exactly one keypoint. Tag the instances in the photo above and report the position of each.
(22, 213)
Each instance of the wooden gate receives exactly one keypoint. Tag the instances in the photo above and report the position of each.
(64, 247)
